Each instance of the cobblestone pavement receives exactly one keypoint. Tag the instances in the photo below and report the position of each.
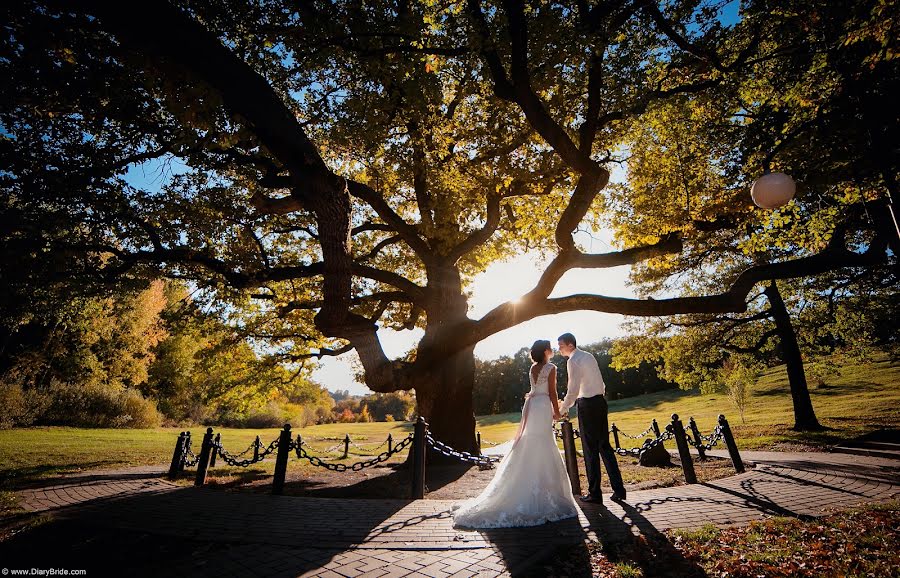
(264, 535)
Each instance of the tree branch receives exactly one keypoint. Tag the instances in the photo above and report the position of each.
(732, 301)
(389, 216)
(481, 236)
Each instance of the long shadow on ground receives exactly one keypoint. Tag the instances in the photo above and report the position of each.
(197, 532)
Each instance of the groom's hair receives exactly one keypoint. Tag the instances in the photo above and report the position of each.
(568, 339)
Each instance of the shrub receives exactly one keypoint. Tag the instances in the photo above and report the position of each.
(738, 379)
(19, 407)
(99, 405)
(272, 415)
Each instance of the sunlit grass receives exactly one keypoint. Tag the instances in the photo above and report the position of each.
(863, 397)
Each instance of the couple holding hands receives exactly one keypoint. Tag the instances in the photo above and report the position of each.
(531, 486)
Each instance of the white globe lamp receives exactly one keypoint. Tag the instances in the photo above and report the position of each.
(773, 190)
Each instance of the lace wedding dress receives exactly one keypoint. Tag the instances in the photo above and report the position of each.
(531, 486)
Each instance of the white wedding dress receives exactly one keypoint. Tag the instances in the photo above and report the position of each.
(531, 486)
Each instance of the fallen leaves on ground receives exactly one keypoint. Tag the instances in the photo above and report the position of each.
(859, 543)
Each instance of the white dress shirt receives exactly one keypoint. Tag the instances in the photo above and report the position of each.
(584, 379)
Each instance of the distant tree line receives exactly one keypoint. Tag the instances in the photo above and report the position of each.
(142, 358)
(501, 384)
(395, 406)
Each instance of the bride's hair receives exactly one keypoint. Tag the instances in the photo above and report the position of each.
(538, 349)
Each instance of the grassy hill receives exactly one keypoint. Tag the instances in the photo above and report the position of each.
(862, 398)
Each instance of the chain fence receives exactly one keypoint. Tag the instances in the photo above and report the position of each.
(318, 462)
(712, 440)
(368, 448)
(232, 460)
(483, 462)
(189, 457)
(634, 452)
(639, 436)
(648, 445)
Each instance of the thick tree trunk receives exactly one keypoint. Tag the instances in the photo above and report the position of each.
(804, 415)
(444, 399)
(444, 374)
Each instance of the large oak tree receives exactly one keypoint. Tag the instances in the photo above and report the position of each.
(352, 165)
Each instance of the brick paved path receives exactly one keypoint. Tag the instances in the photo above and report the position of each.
(264, 535)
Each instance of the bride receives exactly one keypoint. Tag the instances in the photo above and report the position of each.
(531, 485)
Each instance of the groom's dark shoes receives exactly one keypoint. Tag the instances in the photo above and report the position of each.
(591, 499)
(618, 496)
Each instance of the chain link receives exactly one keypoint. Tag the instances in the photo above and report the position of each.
(194, 459)
(575, 433)
(319, 463)
(712, 439)
(647, 445)
(326, 450)
(246, 451)
(640, 436)
(484, 462)
(234, 461)
(368, 449)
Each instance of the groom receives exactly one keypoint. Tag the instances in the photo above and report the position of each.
(587, 387)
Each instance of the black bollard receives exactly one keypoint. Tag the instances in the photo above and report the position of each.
(736, 460)
(571, 455)
(256, 450)
(203, 462)
(687, 464)
(215, 451)
(615, 432)
(176, 457)
(298, 446)
(478, 439)
(346, 446)
(698, 440)
(418, 466)
(281, 459)
(390, 444)
(655, 427)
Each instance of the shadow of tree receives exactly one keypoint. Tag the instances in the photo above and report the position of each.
(48, 475)
(386, 482)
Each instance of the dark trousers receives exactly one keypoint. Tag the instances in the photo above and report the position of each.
(593, 425)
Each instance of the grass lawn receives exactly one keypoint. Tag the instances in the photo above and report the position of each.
(862, 398)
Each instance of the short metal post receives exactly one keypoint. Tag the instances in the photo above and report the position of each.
(478, 439)
(390, 444)
(299, 446)
(215, 451)
(697, 438)
(176, 456)
(203, 462)
(256, 450)
(281, 459)
(568, 437)
(418, 466)
(615, 432)
(732, 446)
(346, 446)
(687, 463)
(655, 427)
